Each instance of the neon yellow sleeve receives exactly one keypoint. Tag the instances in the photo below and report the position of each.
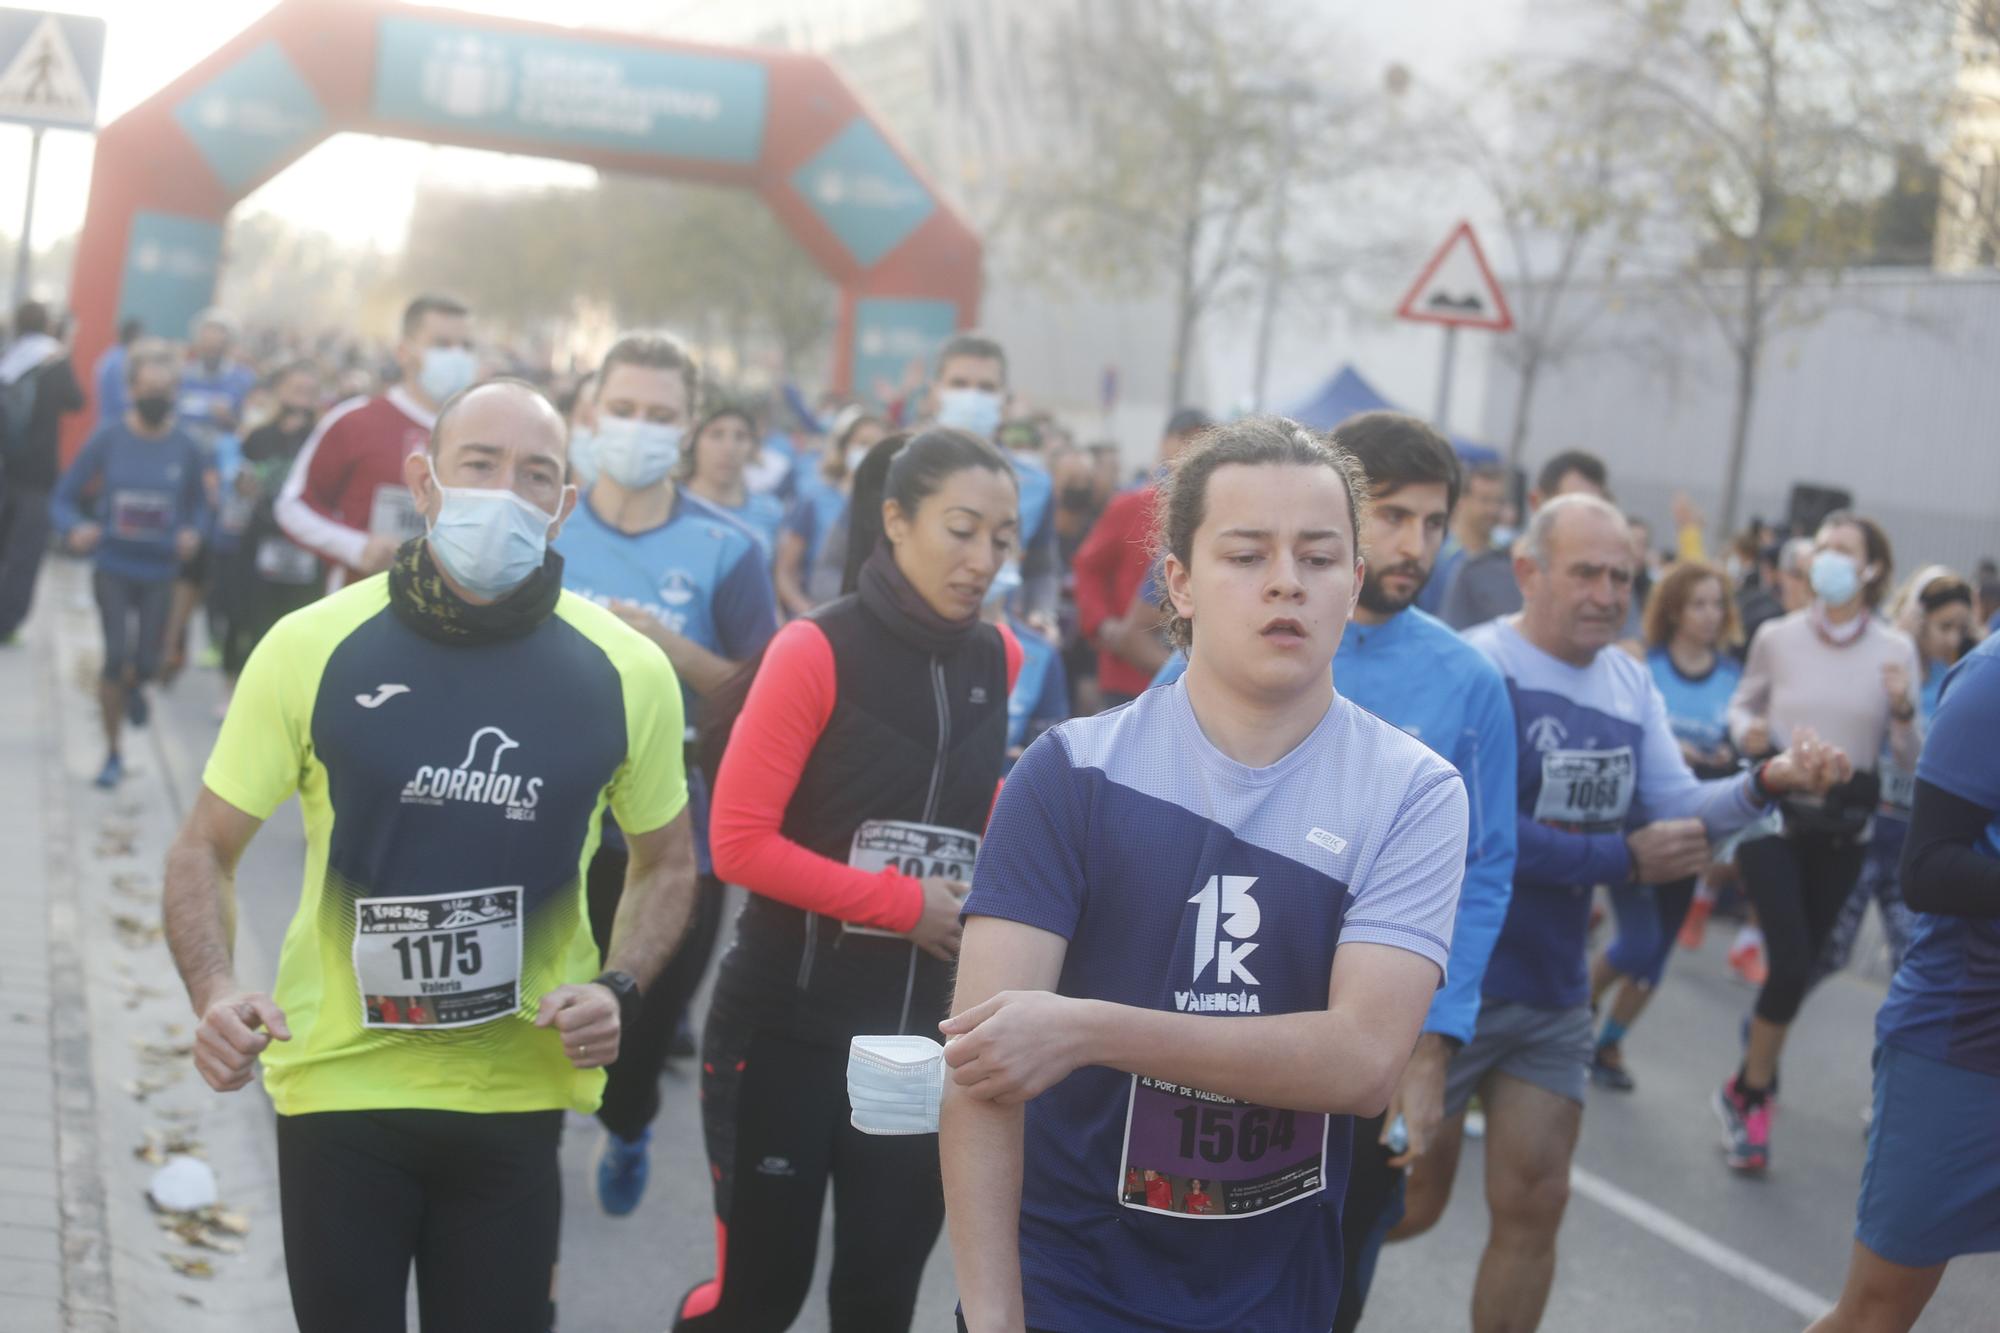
(261, 753)
(650, 787)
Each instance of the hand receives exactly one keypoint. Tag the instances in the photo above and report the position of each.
(1896, 681)
(1667, 850)
(586, 1017)
(379, 554)
(1685, 513)
(1045, 625)
(642, 620)
(1015, 1046)
(84, 537)
(186, 543)
(937, 931)
(1810, 766)
(227, 1043)
(1419, 1098)
(1757, 738)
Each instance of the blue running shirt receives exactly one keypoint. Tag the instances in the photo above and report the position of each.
(1041, 690)
(1945, 1000)
(1697, 709)
(1185, 881)
(1597, 757)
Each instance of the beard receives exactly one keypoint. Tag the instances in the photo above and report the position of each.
(1377, 599)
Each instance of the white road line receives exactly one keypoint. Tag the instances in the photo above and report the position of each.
(1801, 1302)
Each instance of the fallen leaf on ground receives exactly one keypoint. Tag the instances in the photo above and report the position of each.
(188, 1265)
(135, 932)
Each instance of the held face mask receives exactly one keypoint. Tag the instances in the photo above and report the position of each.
(894, 1084)
(488, 539)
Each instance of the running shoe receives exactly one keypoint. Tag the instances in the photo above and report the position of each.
(1475, 1120)
(1746, 1130)
(1611, 1072)
(112, 773)
(1747, 957)
(137, 710)
(1696, 924)
(621, 1172)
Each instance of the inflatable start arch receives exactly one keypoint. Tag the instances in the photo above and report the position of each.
(168, 172)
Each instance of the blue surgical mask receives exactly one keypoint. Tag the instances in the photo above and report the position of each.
(974, 410)
(488, 538)
(636, 453)
(445, 371)
(894, 1084)
(1835, 578)
(583, 454)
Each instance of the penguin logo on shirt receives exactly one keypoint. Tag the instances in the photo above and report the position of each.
(1547, 733)
(676, 588)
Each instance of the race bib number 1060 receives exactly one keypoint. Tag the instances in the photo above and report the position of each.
(446, 961)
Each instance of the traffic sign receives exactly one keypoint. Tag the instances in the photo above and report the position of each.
(1457, 288)
(49, 67)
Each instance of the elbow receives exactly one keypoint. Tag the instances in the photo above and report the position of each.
(728, 850)
(1378, 1079)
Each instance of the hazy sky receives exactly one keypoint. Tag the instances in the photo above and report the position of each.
(151, 42)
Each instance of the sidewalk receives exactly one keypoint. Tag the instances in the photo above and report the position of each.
(96, 1026)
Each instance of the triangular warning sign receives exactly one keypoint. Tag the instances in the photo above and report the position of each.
(1457, 288)
(43, 82)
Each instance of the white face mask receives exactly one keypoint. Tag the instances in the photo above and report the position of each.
(975, 411)
(634, 452)
(894, 1084)
(488, 539)
(445, 371)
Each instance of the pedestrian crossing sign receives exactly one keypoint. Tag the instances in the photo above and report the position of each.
(49, 67)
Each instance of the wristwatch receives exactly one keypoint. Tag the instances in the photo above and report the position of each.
(626, 989)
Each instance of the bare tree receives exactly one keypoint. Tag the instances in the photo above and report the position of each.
(1764, 122)
(1179, 111)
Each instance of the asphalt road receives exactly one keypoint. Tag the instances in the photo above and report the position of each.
(1658, 1236)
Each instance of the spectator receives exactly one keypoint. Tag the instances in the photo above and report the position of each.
(37, 389)
(1111, 570)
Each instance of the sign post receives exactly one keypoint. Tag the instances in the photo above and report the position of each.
(1456, 289)
(49, 68)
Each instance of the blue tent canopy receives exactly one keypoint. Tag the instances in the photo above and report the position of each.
(1347, 394)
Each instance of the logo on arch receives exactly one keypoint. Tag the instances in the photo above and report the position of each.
(485, 776)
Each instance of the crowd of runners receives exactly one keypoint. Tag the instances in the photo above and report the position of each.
(1149, 880)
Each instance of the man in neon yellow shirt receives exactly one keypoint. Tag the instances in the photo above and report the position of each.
(455, 729)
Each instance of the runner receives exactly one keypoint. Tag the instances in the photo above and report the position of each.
(214, 386)
(1112, 567)
(812, 544)
(1690, 630)
(970, 394)
(851, 800)
(712, 468)
(148, 475)
(1472, 525)
(1935, 610)
(1931, 1189)
(693, 581)
(1483, 586)
(270, 576)
(1604, 797)
(1040, 697)
(1410, 669)
(1836, 669)
(454, 730)
(345, 500)
(1204, 934)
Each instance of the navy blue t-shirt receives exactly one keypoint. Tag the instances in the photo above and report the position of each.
(1187, 882)
(1945, 1000)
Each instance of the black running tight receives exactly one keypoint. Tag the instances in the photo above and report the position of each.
(1798, 882)
(775, 1116)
